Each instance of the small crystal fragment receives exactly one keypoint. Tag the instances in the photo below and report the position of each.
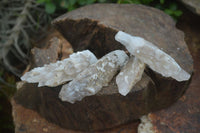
(151, 55)
(146, 125)
(130, 74)
(55, 74)
(92, 79)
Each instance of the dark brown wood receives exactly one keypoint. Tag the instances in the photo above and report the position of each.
(184, 115)
(93, 27)
(29, 121)
(49, 49)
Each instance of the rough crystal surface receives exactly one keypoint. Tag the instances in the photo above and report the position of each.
(92, 79)
(55, 74)
(130, 74)
(151, 55)
(145, 126)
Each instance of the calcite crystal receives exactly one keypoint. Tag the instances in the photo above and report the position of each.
(55, 74)
(92, 79)
(151, 55)
(130, 74)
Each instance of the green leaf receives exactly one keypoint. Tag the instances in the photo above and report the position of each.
(72, 2)
(178, 13)
(119, 1)
(50, 8)
(168, 11)
(81, 2)
(85, 2)
(64, 4)
(90, 1)
(101, 1)
(70, 8)
(162, 1)
(131, 2)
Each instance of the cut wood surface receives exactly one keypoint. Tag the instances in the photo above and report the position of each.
(93, 27)
(184, 115)
(29, 121)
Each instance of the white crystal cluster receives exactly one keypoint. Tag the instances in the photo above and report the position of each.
(92, 79)
(87, 75)
(55, 74)
(151, 55)
(130, 74)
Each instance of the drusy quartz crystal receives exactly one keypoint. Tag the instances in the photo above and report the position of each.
(92, 79)
(151, 55)
(55, 74)
(130, 74)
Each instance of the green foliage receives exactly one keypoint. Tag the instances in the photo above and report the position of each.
(168, 6)
(50, 8)
(162, 1)
(51, 5)
(173, 11)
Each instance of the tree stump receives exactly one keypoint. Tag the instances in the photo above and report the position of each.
(93, 27)
(184, 115)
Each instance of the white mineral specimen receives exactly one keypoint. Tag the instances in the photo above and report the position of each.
(146, 125)
(130, 74)
(151, 55)
(58, 73)
(92, 79)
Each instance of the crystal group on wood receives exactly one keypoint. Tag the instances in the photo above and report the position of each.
(151, 55)
(55, 74)
(87, 74)
(91, 80)
(130, 74)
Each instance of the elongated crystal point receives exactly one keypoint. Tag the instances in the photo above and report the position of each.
(151, 55)
(92, 79)
(130, 74)
(55, 74)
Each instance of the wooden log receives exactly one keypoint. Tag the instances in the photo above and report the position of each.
(94, 27)
(184, 115)
(49, 49)
(29, 121)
